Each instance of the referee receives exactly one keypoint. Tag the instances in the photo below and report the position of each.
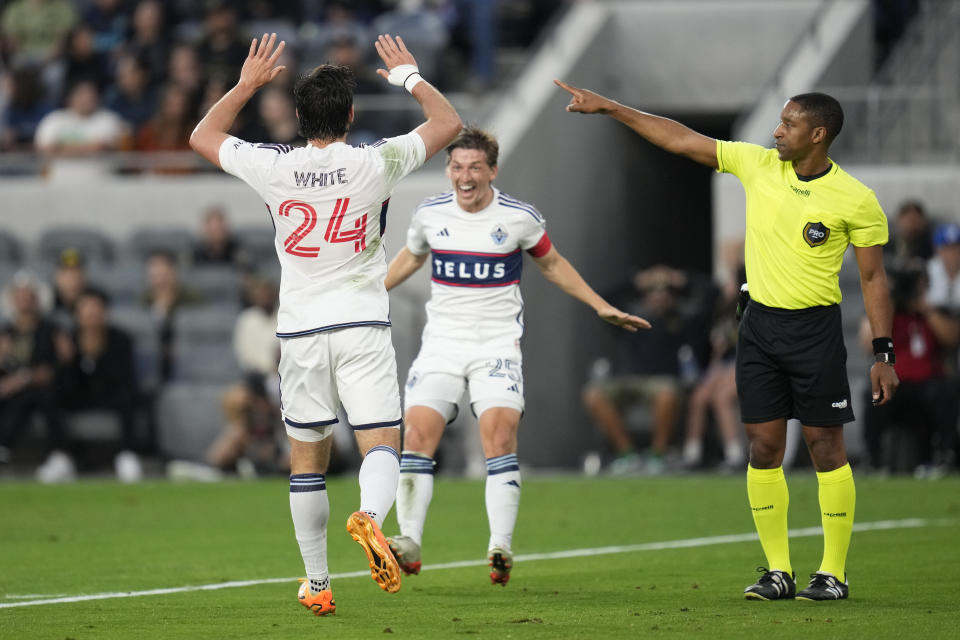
(802, 212)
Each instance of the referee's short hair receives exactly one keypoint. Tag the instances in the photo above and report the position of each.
(823, 111)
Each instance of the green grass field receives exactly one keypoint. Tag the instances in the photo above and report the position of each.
(101, 537)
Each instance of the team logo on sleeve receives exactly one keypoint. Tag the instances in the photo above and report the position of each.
(499, 235)
(815, 234)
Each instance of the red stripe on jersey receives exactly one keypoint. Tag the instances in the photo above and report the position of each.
(541, 248)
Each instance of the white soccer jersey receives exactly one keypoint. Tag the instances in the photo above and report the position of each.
(476, 260)
(328, 207)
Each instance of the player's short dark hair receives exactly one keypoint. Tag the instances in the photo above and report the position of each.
(323, 98)
(473, 138)
(823, 111)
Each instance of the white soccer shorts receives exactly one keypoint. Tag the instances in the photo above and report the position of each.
(356, 367)
(440, 374)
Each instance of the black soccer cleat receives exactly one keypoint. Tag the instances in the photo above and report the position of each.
(824, 586)
(772, 585)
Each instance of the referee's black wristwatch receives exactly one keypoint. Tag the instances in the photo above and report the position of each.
(883, 351)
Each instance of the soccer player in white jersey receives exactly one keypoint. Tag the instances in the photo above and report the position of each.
(327, 202)
(474, 238)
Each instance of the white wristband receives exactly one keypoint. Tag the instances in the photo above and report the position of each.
(401, 75)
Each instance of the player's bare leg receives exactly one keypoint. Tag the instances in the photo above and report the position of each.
(498, 434)
(310, 509)
(423, 428)
(379, 474)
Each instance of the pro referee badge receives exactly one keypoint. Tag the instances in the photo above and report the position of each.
(815, 234)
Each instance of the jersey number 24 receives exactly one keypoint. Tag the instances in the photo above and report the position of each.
(294, 242)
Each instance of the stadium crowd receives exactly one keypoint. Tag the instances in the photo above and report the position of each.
(84, 76)
(680, 373)
(88, 332)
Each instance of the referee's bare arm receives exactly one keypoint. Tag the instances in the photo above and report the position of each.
(879, 308)
(665, 133)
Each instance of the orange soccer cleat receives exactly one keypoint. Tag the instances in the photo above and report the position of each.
(321, 603)
(383, 566)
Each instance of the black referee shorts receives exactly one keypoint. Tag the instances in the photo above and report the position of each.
(791, 363)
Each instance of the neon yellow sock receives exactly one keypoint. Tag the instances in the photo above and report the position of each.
(769, 499)
(838, 497)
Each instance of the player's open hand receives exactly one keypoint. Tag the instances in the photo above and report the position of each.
(585, 101)
(622, 319)
(884, 380)
(393, 53)
(260, 67)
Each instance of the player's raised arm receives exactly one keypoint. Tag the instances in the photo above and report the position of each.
(258, 69)
(403, 265)
(443, 123)
(667, 134)
(560, 272)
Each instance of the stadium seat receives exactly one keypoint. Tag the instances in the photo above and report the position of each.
(146, 241)
(203, 344)
(11, 251)
(138, 322)
(258, 241)
(204, 362)
(93, 245)
(188, 419)
(219, 284)
(123, 282)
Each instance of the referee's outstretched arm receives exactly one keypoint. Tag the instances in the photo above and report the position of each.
(667, 134)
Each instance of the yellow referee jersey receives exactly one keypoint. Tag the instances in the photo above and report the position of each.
(798, 230)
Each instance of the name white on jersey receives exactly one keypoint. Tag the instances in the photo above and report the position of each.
(476, 261)
(328, 208)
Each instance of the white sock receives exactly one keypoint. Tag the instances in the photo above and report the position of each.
(414, 494)
(692, 452)
(733, 453)
(379, 475)
(310, 509)
(503, 498)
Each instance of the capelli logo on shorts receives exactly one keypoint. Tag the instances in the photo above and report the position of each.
(839, 405)
(815, 233)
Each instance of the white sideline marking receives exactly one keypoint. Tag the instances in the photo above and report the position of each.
(909, 523)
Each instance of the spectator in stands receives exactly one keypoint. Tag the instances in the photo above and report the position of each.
(251, 407)
(277, 121)
(69, 282)
(716, 390)
(148, 41)
(169, 128)
(27, 370)
(109, 20)
(97, 373)
(423, 29)
(217, 244)
(27, 106)
(82, 128)
(911, 237)
(926, 403)
(223, 47)
(132, 96)
(82, 61)
(650, 370)
(943, 269)
(163, 297)
(184, 70)
(33, 30)
(339, 21)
